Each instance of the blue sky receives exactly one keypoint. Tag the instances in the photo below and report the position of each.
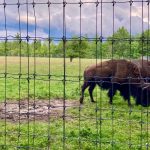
(72, 18)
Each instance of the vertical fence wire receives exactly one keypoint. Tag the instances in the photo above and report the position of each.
(129, 88)
(5, 74)
(141, 139)
(112, 90)
(147, 145)
(64, 78)
(34, 72)
(20, 69)
(49, 73)
(28, 72)
(80, 34)
(101, 59)
(97, 48)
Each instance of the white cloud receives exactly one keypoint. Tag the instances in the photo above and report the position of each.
(12, 33)
(72, 16)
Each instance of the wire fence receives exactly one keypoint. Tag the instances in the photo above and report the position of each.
(40, 90)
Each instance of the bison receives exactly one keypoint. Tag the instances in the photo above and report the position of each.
(144, 67)
(131, 78)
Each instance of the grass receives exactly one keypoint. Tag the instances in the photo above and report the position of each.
(93, 126)
(40, 85)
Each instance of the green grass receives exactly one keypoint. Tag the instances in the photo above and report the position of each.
(94, 126)
(40, 85)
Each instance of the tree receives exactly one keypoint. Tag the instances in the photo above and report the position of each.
(135, 52)
(120, 42)
(37, 48)
(76, 48)
(58, 52)
(144, 43)
(53, 48)
(106, 50)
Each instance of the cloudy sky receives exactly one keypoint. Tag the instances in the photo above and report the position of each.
(42, 15)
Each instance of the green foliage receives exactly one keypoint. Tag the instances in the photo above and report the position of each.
(73, 48)
(135, 51)
(144, 43)
(118, 45)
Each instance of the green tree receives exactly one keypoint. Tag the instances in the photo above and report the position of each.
(120, 42)
(144, 43)
(15, 46)
(94, 48)
(53, 48)
(135, 52)
(106, 50)
(58, 52)
(2, 48)
(37, 48)
(76, 47)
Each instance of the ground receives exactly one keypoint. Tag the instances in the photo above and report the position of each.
(90, 126)
(35, 109)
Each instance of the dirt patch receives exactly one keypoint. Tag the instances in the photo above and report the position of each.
(35, 110)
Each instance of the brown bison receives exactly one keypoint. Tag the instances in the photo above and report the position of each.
(144, 68)
(131, 78)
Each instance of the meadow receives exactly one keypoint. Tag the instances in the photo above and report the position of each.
(88, 127)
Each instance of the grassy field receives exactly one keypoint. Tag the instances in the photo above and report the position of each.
(89, 127)
(39, 87)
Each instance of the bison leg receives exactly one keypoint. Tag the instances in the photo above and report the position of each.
(84, 86)
(111, 94)
(91, 88)
(126, 96)
(125, 92)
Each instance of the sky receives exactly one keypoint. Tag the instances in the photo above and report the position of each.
(43, 21)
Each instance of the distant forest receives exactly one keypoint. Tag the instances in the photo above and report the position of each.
(120, 45)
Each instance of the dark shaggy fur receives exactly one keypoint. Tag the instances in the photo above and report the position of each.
(125, 76)
(144, 67)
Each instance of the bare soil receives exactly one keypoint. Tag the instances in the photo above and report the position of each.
(35, 109)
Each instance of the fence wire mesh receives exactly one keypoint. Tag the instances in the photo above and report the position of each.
(45, 46)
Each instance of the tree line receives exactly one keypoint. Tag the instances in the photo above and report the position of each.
(120, 45)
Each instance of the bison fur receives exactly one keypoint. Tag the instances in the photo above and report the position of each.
(130, 78)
